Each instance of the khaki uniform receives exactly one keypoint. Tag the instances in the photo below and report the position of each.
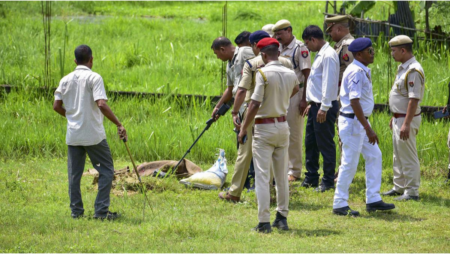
(300, 57)
(234, 67)
(244, 156)
(409, 83)
(271, 140)
(345, 56)
(345, 59)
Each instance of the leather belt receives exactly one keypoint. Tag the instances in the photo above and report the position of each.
(315, 103)
(270, 120)
(350, 115)
(397, 115)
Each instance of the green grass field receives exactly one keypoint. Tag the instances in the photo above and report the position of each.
(165, 47)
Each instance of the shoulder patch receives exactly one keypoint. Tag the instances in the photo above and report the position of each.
(305, 53)
(411, 83)
(346, 57)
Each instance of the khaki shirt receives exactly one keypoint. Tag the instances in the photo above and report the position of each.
(345, 56)
(414, 87)
(234, 67)
(249, 72)
(300, 61)
(274, 94)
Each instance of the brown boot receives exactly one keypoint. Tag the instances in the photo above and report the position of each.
(226, 196)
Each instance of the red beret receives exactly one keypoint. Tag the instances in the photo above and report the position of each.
(266, 42)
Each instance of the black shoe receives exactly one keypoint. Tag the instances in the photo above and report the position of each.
(108, 216)
(323, 188)
(344, 211)
(280, 222)
(391, 193)
(263, 228)
(406, 197)
(77, 216)
(379, 205)
(307, 184)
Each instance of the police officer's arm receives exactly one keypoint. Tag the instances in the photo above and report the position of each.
(295, 90)
(415, 86)
(239, 98)
(357, 109)
(303, 104)
(349, 58)
(252, 109)
(106, 111)
(226, 96)
(304, 64)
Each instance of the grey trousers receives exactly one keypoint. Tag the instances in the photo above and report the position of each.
(101, 159)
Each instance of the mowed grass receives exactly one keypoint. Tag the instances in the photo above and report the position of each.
(165, 46)
(35, 217)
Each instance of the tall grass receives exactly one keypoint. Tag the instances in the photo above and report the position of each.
(165, 128)
(148, 46)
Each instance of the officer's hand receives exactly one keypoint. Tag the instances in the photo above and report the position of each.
(241, 136)
(404, 132)
(373, 138)
(305, 113)
(302, 106)
(214, 114)
(236, 122)
(390, 123)
(321, 116)
(122, 132)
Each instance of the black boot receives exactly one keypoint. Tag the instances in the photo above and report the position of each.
(280, 222)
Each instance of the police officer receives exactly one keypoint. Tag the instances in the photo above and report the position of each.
(356, 133)
(338, 29)
(275, 84)
(404, 99)
(243, 97)
(322, 110)
(297, 52)
(225, 51)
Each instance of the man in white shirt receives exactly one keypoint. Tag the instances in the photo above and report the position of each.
(83, 94)
(356, 133)
(321, 95)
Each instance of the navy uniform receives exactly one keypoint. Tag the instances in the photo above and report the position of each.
(409, 84)
(357, 85)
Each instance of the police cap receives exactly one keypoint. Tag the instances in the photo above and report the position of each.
(400, 40)
(281, 24)
(257, 36)
(339, 19)
(359, 44)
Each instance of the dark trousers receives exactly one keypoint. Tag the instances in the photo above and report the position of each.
(319, 139)
(101, 159)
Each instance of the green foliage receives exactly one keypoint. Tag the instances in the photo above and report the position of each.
(362, 6)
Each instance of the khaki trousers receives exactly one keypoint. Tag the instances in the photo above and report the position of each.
(406, 161)
(296, 125)
(270, 145)
(242, 165)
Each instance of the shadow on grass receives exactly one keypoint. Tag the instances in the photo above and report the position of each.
(434, 200)
(310, 233)
(391, 216)
(296, 205)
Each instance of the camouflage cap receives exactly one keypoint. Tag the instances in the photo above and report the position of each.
(400, 40)
(281, 24)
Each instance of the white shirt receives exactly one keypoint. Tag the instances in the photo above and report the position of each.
(357, 84)
(324, 77)
(79, 90)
